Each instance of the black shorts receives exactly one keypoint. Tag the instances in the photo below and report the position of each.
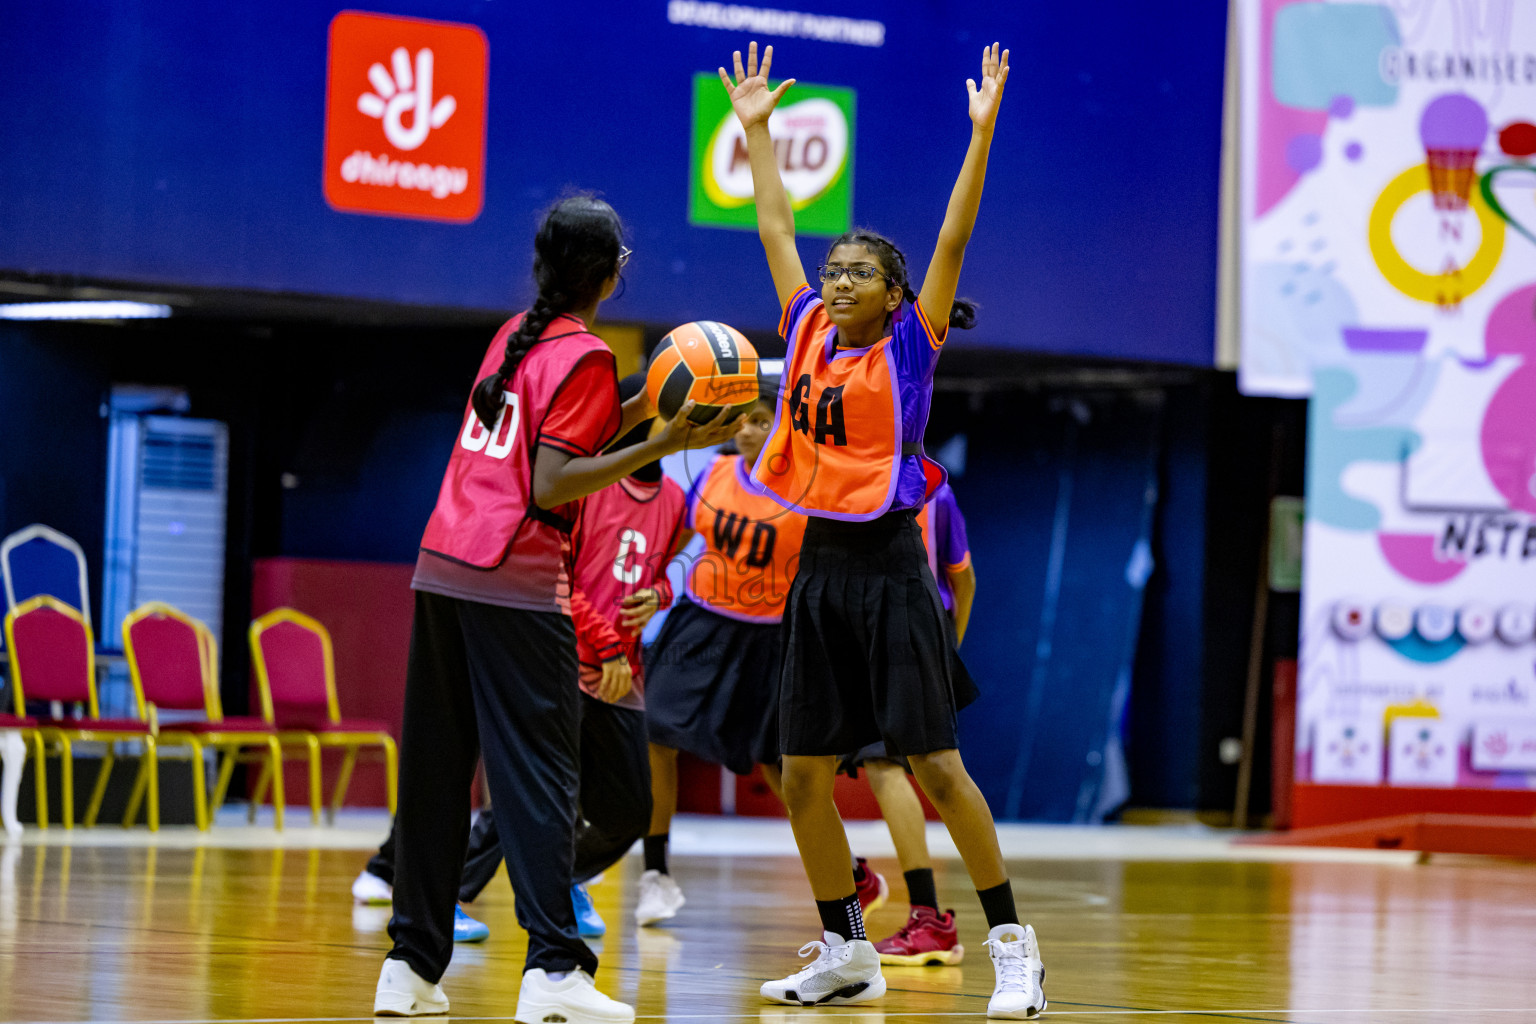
(869, 652)
(850, 764)
(712, 688)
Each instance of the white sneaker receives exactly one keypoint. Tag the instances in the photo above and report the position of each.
(1020, 991)
(660, 898)
(372, 890)
(573, 998)
(404, 993)
(847, 972)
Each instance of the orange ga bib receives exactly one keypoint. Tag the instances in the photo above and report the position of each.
(835, 450)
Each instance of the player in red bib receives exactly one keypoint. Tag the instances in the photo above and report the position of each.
(714, 666)
(493, 650)
(623, 539)
(869, 651)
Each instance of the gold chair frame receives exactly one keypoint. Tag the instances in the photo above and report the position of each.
(307, 744)
(52, 739)
(237, 747)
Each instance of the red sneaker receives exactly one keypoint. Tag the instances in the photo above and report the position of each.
(928, 939)
(872, 889)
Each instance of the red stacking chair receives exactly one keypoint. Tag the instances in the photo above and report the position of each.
(173, 659)
(53, 659)
(296, 676)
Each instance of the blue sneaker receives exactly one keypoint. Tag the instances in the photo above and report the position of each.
(466, 928)
(588, 924)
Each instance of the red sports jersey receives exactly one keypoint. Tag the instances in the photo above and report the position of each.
(624, 538)
(565, 395)
(751, 544)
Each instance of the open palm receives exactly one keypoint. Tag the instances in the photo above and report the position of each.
(994, 75)
(750, 96)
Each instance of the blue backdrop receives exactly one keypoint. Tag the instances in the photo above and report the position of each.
(179, 143)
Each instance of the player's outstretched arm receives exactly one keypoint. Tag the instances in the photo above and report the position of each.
(559, 477)
(753, 101)
(938, 291)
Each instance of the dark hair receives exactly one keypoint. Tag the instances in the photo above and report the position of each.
(574, 253)
(767, 394)
(629, 387)
(962, 312)
(768, 390)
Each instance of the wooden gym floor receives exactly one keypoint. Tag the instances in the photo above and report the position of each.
(1135, 924)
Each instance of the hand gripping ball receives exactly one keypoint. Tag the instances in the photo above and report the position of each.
(705, 361)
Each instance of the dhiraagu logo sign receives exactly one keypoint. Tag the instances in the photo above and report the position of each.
(812, 141)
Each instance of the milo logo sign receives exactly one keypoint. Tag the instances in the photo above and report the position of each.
(812, 142)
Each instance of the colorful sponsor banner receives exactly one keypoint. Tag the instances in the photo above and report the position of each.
(1387, 181)
(1419, 577)
(405, 117)
(813, 131)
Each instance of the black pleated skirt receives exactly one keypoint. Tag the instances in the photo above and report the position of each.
(712, 688)
(869, 652)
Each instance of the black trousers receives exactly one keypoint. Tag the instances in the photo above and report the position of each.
(614, 803)
(480, 861)
(499, 681)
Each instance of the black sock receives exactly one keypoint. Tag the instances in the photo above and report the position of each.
(656, 852)
(859, 872)
(842, 917)
(920, 890)
(997, 904)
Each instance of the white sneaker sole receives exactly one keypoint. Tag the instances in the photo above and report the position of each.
(401, 1004)
(1025, 1014)
(1028, 1013)
(559, 1013)
(861, 992)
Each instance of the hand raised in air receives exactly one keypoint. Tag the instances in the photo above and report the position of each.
(750, 96)
(986, 99)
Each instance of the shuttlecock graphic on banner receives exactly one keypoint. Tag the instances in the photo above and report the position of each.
(1453, 129)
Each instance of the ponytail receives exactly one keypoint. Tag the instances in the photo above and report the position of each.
(962, 312)
(490, 392)
(576, 252)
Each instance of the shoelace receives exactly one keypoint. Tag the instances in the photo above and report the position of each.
(820, 950)
(1012, 967)
(908, 930)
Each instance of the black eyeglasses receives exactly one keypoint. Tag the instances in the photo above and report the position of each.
(624, 254)
(857, 275)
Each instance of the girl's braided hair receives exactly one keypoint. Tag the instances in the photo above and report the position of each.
(575, 253)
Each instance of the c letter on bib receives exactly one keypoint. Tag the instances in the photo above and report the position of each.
(630, 541)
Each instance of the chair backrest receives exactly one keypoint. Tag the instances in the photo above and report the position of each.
(169, 661)
(52, 653)
(38, 559)
(295, 669)
(210, 650)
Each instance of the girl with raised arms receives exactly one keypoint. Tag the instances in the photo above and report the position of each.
(869, 652)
